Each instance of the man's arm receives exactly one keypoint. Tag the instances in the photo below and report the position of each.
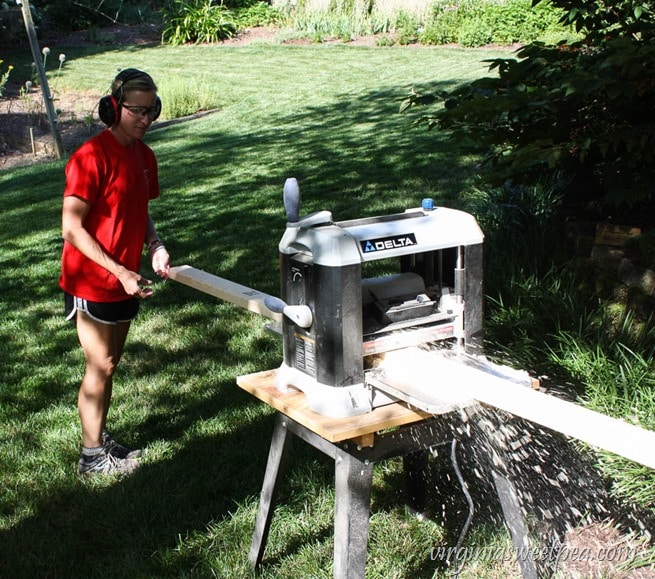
(73, 213)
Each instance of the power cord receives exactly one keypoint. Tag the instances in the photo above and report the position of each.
(469, 500)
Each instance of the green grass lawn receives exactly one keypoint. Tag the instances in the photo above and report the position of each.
(327, 115)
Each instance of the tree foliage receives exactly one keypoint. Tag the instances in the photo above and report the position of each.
(584, 112)
(603, 19)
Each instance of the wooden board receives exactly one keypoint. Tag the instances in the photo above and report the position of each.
(294, 404)
(240, 295)
(454, 382)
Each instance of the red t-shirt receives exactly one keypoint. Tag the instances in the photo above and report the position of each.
(118, 182)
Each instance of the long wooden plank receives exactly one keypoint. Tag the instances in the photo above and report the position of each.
(294, 404)
(219, 287)
(453, 381)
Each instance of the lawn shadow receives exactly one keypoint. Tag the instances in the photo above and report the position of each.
(352, 157)
(371, 154)
(79, 532)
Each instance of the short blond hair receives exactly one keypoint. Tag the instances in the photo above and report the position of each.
(129, 80)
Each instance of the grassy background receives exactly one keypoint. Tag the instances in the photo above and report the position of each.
(326, 115)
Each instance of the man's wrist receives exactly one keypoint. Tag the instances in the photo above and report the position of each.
(154, 245)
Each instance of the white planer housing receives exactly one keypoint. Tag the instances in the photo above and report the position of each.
(336, 315)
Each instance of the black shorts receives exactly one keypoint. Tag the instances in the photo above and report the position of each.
(104, 312)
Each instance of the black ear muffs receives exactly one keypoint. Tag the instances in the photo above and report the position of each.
(109, 106)
(109, 110)
(157, 109)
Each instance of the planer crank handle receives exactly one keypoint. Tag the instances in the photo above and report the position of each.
(291, 198)
(299, 315)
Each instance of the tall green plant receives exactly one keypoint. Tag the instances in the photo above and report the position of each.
(543, 314)
(184, 98)
(523, 218)
(4, 77)
(198, 21)
(257, 14)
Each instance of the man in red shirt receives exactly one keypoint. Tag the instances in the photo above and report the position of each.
(110, 181)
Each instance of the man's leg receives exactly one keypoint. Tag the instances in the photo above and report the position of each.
(122, 329)
(102, 345)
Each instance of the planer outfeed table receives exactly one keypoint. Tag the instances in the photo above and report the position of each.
(356, 444)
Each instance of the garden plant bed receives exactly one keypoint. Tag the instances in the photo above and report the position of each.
(25, 135)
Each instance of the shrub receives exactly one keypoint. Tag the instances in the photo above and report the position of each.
(407, 28)
(12, 27)
(582, 112)
(198, 21)
(601, 21)
(475, 23)
(257, 14)
(443, 25)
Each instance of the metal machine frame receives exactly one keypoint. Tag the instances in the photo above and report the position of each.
(435, 295)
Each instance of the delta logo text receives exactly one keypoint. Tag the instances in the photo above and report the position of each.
(386, 243)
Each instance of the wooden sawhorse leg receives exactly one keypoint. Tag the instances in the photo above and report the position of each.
(274, 467)
(353, 480)
(516, 525)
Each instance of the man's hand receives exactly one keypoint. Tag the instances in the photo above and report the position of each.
(161, 263)
(133, 284)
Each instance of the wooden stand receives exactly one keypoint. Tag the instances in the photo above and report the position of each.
(356, 444)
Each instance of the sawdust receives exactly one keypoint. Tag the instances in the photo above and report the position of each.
(562, 496)
(599, 551)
